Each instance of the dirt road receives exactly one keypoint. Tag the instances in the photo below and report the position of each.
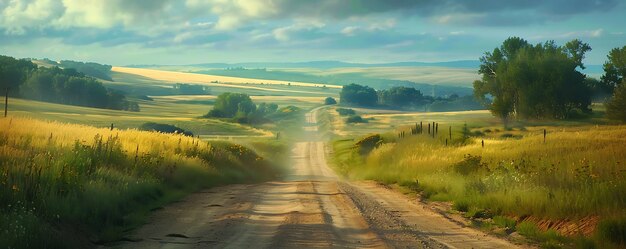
(310, 208)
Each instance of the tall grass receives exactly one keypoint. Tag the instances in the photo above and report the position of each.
(579, 172)
(57, 179)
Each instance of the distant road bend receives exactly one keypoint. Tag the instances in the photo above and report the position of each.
(310, 208)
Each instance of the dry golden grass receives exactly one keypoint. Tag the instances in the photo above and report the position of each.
(205, 79)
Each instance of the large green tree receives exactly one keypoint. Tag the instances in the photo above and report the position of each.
(534, 81)
(354, 94)
(615, 68)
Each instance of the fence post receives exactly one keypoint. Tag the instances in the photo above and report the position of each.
(6, 103)
(544, 136)
(428, 127)
(482, 142)
(111, 126)
(450, 132)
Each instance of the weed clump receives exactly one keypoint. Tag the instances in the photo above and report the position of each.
(470, 164)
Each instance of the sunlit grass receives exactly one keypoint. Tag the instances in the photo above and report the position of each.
(578, 172)
(57, 175)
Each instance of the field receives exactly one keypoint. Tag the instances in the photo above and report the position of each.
(557, 192)
(432, 75)
(214, 80)
(58, 177)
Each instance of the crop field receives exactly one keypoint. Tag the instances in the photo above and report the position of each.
(431, 75)
(173, 76)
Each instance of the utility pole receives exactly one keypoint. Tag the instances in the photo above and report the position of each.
(6, 103)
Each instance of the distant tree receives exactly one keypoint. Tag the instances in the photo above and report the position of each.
(354, 94)
(330, 101)
(400, 96)
(229, 105)
(615, 68)
(13, 73)
(616, 107)
(534, 81)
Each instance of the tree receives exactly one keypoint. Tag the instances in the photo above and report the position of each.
(330, 101)
(13, 73)
(534, 81)
(616, 107)
(400, 97)
(231, 104)
(358, 95)
(615, 68)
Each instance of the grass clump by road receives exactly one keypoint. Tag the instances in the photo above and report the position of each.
(576, 175)
(71, 186)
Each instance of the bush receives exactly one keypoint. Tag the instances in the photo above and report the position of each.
(330, 101)
(469, 165)
(164, 128)
(345, 111)
(367, 144)
(355, 119)
(613, 230)
(616, 107)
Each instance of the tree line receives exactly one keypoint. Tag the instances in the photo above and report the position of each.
(525, 81)
(92, 69)
(22, 78)
(401, 97)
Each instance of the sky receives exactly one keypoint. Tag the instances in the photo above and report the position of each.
(174, 32)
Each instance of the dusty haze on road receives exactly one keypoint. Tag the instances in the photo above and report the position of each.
(310, 208)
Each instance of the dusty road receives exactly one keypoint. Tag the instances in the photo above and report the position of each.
(310, 208)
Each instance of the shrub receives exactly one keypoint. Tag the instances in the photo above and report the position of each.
(345, 111)
(355, 119)
(165, 128)
(367, 144)
(616, 107)
(330, 101)
(613, 230)
(461, 206)
(214, 114)
(469, 165)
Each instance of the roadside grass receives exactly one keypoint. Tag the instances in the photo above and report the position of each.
(68, 186)
(579, 172)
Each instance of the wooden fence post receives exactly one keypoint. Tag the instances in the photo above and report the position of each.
(544, 136)
(482, 142)
(6, 103)
(450, 132)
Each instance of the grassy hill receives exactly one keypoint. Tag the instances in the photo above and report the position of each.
(70, 186)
